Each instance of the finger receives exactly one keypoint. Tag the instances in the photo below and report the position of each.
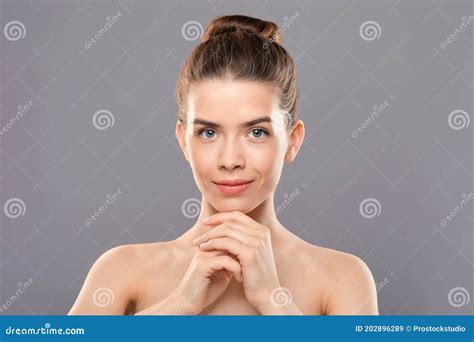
(237, 225)
(233, 246)
(238, 219)
(225, 262)
(221, 217)
(213, 253)
(228, 230)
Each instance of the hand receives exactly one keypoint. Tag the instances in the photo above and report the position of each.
(206, 278)
(250, 242)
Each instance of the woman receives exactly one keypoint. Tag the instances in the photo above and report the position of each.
(238, 98)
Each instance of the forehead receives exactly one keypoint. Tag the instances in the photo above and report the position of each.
(231, 101)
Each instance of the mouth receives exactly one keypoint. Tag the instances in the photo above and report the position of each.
(233, 186)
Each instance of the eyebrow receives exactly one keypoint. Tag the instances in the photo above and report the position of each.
(243, 125)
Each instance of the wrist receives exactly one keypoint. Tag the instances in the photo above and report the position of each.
(182, 305)
(277, 301)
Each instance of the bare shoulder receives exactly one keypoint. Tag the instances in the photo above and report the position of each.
(352, 288)
(338, 264)
(334, 262)
(349, 286)
(101, 293)
(158, 255)
(111, 285)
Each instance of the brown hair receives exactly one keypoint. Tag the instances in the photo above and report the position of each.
(239, 47)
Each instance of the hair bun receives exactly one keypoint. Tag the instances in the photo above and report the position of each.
(234, 23)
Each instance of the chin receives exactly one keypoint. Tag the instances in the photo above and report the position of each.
(233, 204)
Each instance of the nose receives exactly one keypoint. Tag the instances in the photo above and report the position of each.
(231, 156)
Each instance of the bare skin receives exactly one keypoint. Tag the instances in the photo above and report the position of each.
(243, 261)
(143, 278)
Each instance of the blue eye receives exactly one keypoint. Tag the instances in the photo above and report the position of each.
(208, 133)
(258, 133)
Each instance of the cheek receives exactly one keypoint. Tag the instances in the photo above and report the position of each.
(201, 160)
(267, 162)
(262, 160)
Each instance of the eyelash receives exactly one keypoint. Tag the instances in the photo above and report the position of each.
(199, 133)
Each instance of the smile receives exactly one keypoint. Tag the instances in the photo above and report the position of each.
(233, 187)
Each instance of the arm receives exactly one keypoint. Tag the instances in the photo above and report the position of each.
(290, 308)
(171, 305)
(354, 292)
(206, 278)
(106, 290)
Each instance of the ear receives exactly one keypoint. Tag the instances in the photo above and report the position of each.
(180, 134)
(295, 142)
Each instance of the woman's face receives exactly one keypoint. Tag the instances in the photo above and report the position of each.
(235, 132)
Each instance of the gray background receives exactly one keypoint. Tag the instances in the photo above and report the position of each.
(409, 158)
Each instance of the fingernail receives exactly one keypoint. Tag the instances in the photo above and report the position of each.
(196, 239)
(206, 220)
(203, 244)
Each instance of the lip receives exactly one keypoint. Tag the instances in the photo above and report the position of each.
(235, 186)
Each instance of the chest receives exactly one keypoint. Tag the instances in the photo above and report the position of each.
(304, 293)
